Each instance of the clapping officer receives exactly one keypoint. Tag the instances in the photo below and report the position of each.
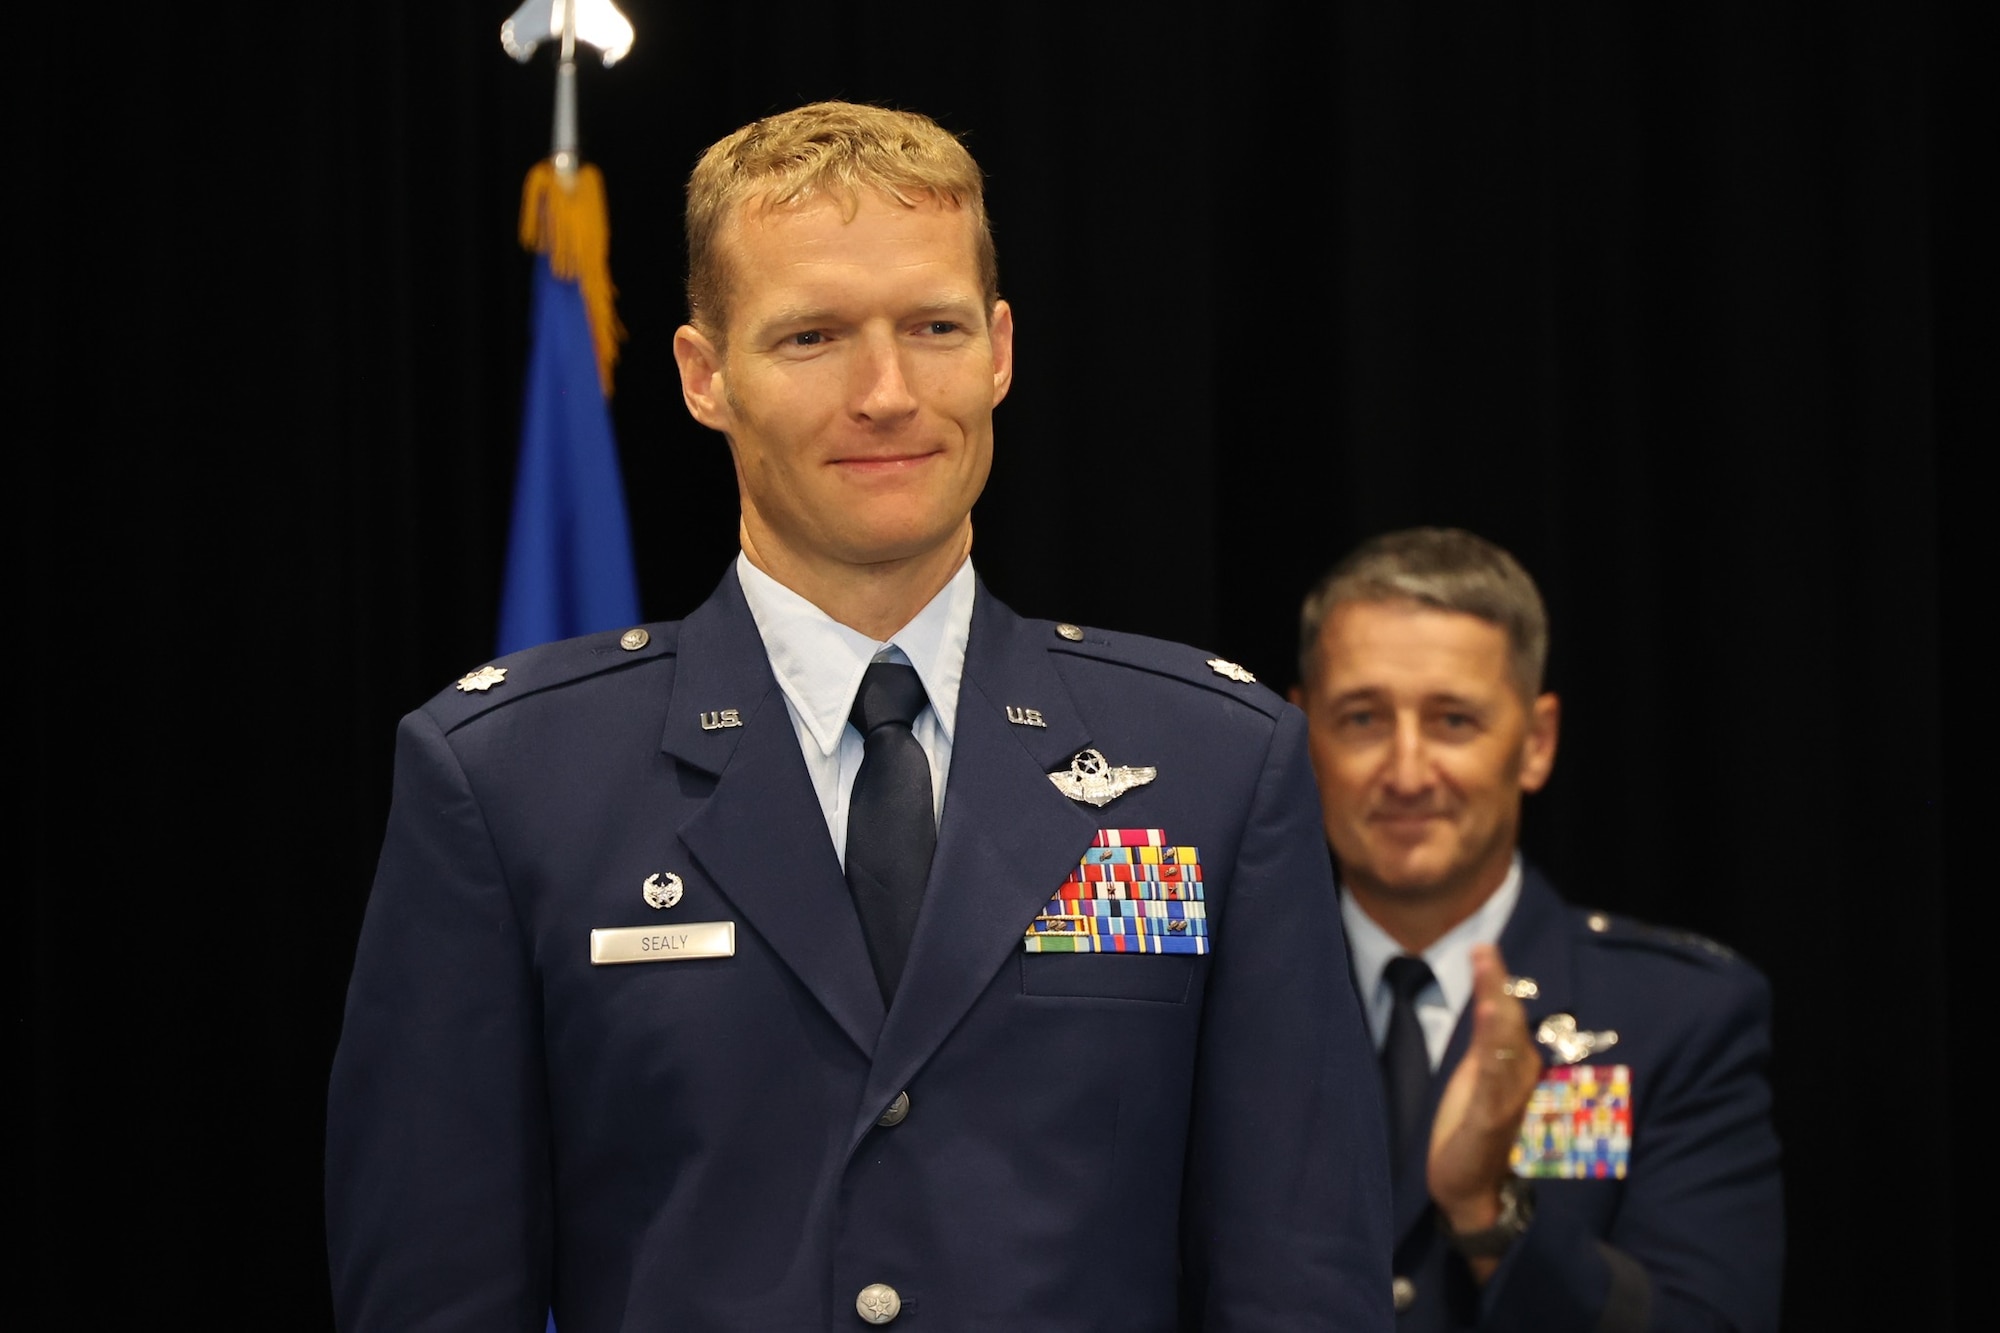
(1579, 1111)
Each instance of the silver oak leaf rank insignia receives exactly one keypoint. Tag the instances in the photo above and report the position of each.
(483, 679)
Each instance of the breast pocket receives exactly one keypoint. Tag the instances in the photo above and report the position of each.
(1161, 978)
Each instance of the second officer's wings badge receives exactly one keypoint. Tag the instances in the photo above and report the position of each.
(1094, 780)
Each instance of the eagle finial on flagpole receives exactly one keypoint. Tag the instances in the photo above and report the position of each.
(593, 22)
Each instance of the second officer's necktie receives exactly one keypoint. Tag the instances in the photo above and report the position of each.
(1406, 1061)
(891, 825)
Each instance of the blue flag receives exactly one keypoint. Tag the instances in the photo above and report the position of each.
(569, 552)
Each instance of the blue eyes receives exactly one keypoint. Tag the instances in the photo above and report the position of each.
(936, 328)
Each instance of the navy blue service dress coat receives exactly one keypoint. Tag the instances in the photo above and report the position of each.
(1092, 1141)
(1693, 1237)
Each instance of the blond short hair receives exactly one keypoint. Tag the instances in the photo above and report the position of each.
(825, 150)
(1448, 569)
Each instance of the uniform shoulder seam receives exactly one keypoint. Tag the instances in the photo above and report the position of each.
(1617, 931)
(550, 666)
(1164, 657)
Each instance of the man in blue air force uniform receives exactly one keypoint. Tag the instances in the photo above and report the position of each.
(1584, 1144)
(654, 1019)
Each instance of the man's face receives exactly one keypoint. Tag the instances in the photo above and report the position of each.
(1423, 748)
(856, 385)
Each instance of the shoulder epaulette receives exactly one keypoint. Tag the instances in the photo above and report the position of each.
(1163, 657)
(1609, 929)
(548, 666)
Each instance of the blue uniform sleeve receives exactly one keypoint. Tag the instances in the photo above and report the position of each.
(1286, 1215)
(437, 1164)
(1698, 1239)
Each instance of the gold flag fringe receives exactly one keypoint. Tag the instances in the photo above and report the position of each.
(569, 225)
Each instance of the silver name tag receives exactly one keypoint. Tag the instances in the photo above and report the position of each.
(661, 944)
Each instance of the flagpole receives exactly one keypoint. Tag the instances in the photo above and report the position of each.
(569, 567)
(564, 148)
(562, 203)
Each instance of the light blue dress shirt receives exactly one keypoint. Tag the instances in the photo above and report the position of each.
(1440, 1003)
(819, 662)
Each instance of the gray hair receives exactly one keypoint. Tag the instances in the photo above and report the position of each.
(1445, 568)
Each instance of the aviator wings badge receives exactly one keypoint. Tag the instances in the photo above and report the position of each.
(1093, 780)
(1569, 1042)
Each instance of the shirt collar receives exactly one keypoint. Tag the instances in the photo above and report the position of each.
(818, 661)
(1450, 956)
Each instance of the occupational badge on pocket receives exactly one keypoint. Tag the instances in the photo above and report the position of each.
(1132, 892)
(1578, 1125)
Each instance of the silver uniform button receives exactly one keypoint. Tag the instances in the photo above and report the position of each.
(1070, 632)
(899, 1111)
(1404, 1293)
(1598, 922)
(632, 640)
(878, 1303)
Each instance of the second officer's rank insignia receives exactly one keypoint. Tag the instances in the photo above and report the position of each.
(483, 679)
(1231, 670)
(1093, 779)
(1131, 893)
(1578, 1125)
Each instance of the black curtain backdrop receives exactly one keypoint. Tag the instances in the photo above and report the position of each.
(1671, 302)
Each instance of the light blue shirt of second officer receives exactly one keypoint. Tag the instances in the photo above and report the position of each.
(1440, 1003)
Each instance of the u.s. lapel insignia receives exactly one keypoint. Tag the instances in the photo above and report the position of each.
(1570, 1043)
(483, 679)
(1232, 671)
(1093, 780)
(1025, 717)
(662, 890)
(721, 719)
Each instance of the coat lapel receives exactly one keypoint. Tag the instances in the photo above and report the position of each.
(1534, 944)
(1008, 838)
(760, 835)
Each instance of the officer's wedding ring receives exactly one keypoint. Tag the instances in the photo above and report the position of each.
(1506, 1053)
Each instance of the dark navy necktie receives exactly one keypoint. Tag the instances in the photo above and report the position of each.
(891, 827)
(1406, 1061)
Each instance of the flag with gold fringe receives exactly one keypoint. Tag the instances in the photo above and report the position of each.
(569, 553)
